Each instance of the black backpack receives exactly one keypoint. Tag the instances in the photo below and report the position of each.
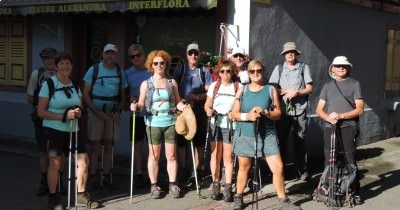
(67, 89)
(39, 84)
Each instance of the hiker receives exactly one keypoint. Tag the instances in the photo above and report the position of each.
(294, 83)
(258, 102)
(220, 98)
(341, 103)
(160, 98)
(193, 81)
(104, 96)
(36, 80)
(238, 57)
(135, 75)
(60, 103)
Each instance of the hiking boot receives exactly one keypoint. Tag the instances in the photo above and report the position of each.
(55, 202)
(238, 202)
(304, 176)
(215, 190)
(140, 181)
(285, 204)
(155, 191)
(43, 187)
(228, 193)
(358, 200)
(84, 199)
(174, 190)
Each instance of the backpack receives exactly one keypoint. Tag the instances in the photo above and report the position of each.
(201, 73)
(95, 77)
(149, 97)
(67, 89)
(39, 84)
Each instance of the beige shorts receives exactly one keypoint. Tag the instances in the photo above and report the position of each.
(98, 129)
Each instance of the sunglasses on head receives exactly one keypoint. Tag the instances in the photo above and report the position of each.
(136, 55)
(238, 55)
(228, 71)
(253, 71)
(195, 52)
(156, 63)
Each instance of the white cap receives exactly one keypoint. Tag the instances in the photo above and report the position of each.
(111, 47)
(238, 50)
(192, 46)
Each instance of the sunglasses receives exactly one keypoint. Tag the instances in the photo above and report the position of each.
(228, 71)
(341, 66)
(238, 55)
(156, 63)
(253, 71)
(195, 52)
(136, 55)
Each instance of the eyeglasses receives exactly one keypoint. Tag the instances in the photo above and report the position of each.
(228, 71)
(253, 71)
(156, 63)
(340, 66)
(238, 55)
(195, 52)
(136, 55)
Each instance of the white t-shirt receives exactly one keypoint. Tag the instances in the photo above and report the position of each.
(223, 102)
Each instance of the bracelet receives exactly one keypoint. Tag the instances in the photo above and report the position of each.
(243, 117)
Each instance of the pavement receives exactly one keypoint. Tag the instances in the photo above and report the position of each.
(378, 162)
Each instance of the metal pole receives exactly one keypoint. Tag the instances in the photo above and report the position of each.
(132, 153)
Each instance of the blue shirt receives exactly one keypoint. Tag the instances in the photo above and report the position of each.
(191, 81)
(135, 77)
(107, 84)
(59, 102)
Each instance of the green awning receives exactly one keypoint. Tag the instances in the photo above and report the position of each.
(33, 7)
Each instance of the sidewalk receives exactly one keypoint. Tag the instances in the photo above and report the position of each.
(379, 163)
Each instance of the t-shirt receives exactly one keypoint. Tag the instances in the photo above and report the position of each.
(60, 102)
(135, 77)
(107, 85)
(223, 102)
(335, 102)
(293, 79)
(191, 81)
(33, 81)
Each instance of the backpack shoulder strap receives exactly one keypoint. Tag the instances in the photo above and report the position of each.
(202, 75)
(171, 95)
(149, 94)
(94, 76)
(52, 88)
(280, 70)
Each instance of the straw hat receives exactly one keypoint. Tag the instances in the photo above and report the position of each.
(340, 60)
(186, 124)
(289, 46)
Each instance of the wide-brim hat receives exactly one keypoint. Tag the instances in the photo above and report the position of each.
(186, 124)
(340, 60)
(290, 46)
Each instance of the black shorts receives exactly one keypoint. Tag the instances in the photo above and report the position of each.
(140, 129)
(58, 142)
(41, 140)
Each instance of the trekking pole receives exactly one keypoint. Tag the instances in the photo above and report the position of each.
(194, 169)
(102, 154)
(203, 167)
(133, 152)
(255, 169)
(332, 175)
(69, 165)
(76, 163)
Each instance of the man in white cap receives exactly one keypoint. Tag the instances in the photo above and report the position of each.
(238, 57)
(294, 83)
(193, 82)
(104, 95)
(341, 104)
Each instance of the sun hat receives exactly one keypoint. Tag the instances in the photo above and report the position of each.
(339, 60)
(238, 50)
(48, 52)
(186, 124)
(192, 46)
(110, 47)
(289, 46)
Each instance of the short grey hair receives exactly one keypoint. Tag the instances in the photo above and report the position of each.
(135, 47)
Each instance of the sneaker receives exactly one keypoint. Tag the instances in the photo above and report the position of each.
(305, 176)
(215, 190)
(174, 190)
(84, 199)
(285, 204)
(55, 202)
(155, 191)
(358, 200)
(238, 202)
(140, 181)
(43, 187)
(228, 193)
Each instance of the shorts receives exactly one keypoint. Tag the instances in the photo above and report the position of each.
(41, 139)
(155, 134)
(140, 129)
(98, 129)
(222, 134)
(58, 142)
(244, 145)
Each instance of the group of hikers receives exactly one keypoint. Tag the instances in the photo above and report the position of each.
(234, 109)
